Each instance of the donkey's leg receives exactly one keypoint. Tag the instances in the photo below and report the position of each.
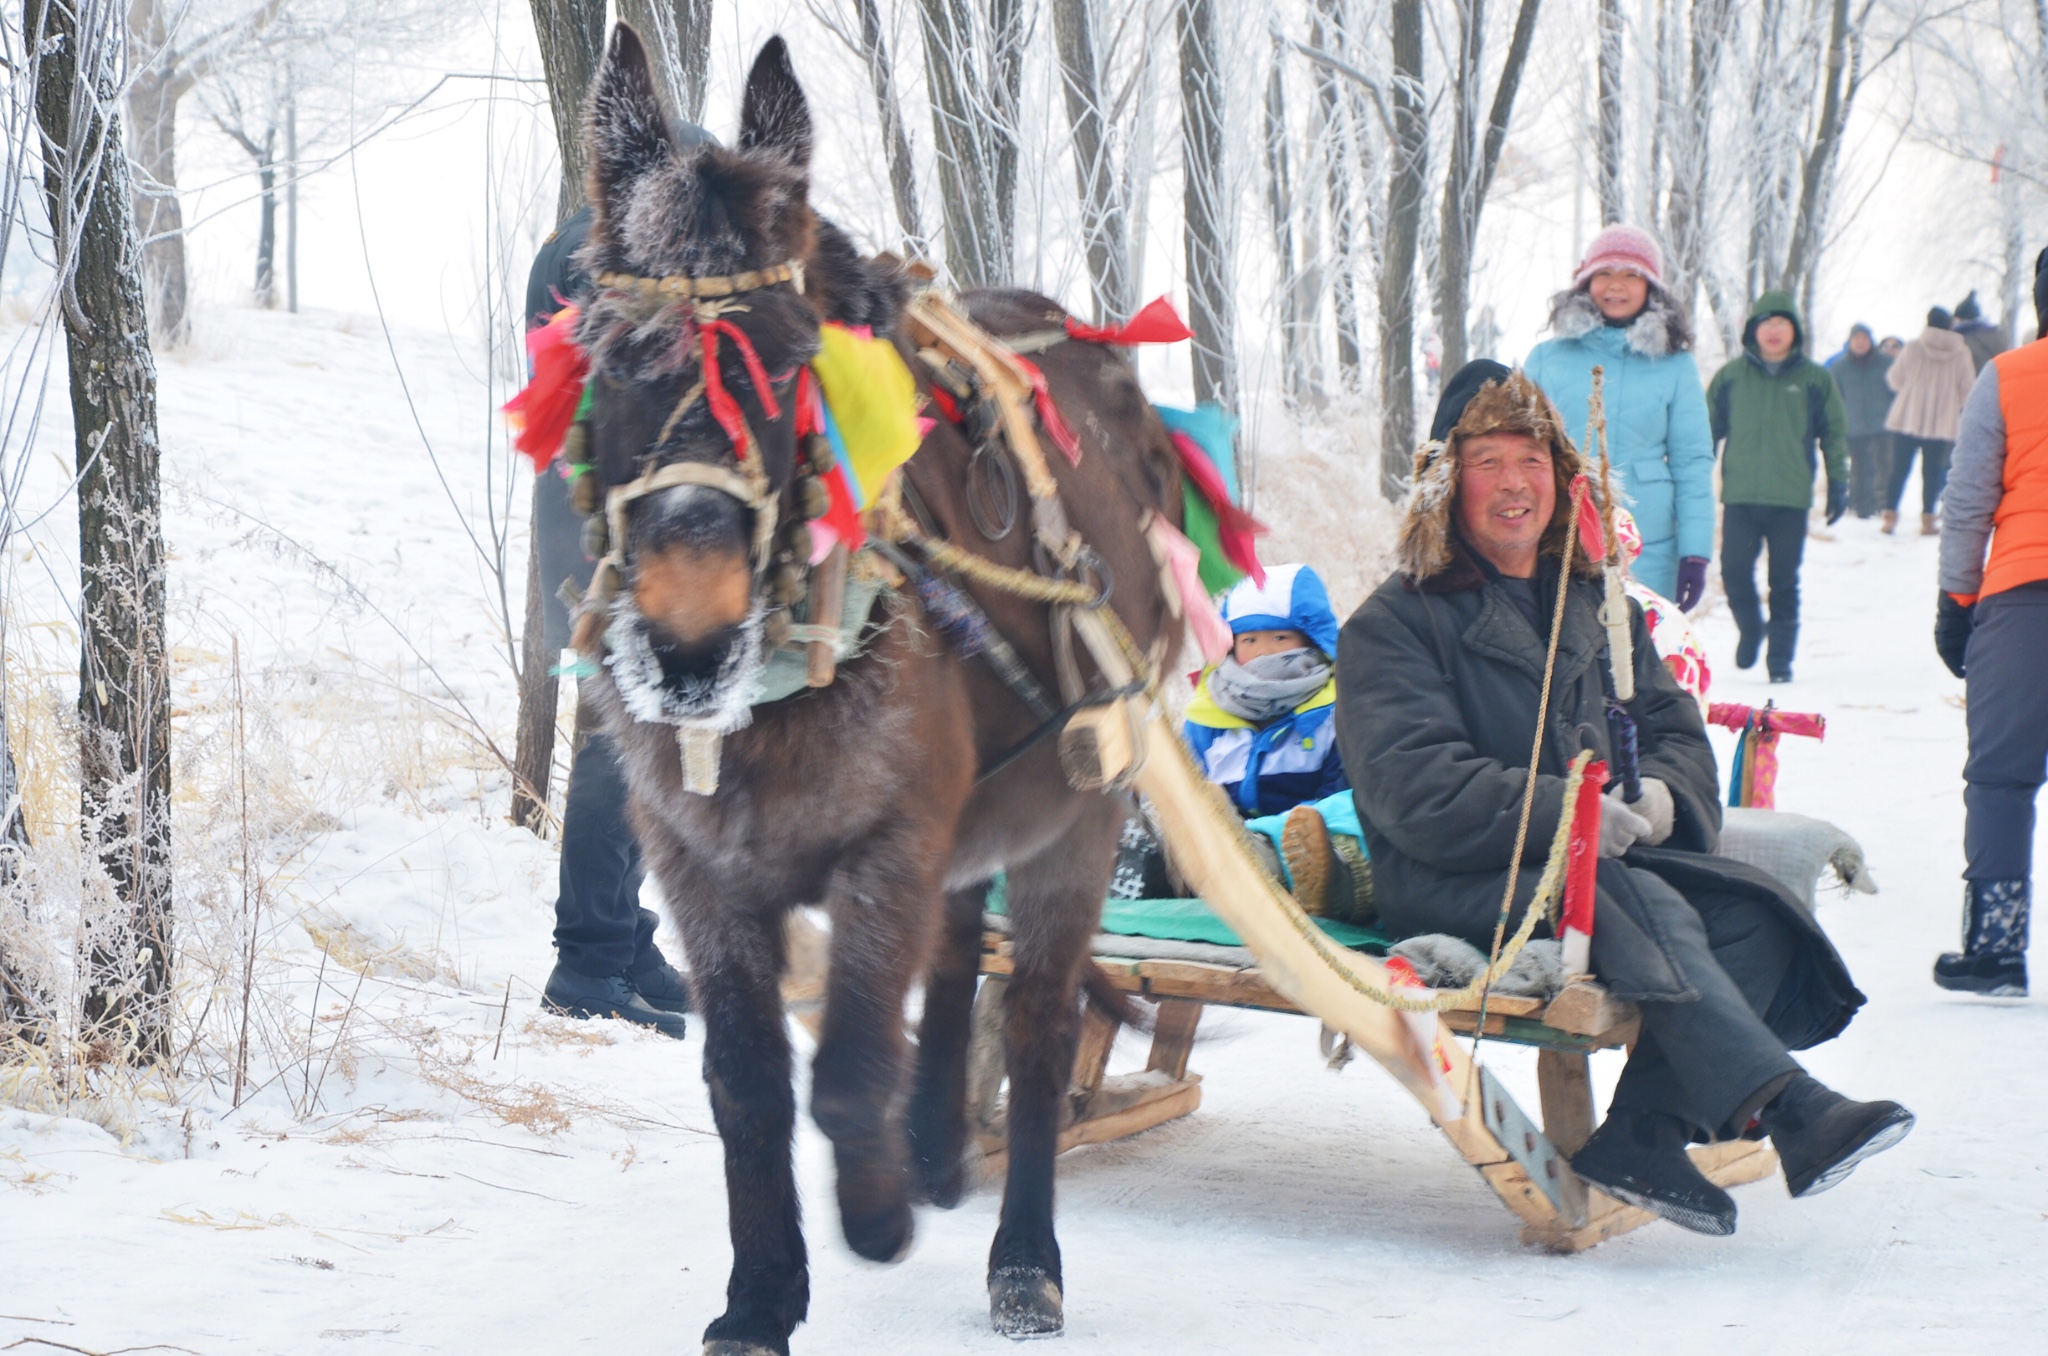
(1056, 904)
(884, 902)
(938, 1103)
(735, 965)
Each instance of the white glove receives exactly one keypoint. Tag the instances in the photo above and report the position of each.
(1620, 825)
(1656, 807)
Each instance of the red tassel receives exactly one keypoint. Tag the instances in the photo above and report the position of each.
(1049, 416)
(541, 413)
(1156, 323)
(1592, 534)
(724, 408)
(1582, 862)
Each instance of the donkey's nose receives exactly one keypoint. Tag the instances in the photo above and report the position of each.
(692, 575)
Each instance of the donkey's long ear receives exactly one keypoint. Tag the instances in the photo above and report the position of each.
(774, 115)
(628, 133)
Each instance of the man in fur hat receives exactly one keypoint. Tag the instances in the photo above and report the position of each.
(1438, 682)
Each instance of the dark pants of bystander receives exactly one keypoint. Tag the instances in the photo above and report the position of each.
(1746, 530)
(1870, 472)
(1933, 471)
(600, 927)
(2008, 720)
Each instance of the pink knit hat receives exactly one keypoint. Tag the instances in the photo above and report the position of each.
(1622, 247)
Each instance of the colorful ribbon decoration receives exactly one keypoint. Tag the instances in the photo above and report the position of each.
(1753, 778)
(1155, 323)
(540, 414)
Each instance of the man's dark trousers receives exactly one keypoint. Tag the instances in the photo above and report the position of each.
(600, 928)
(1934, 455)
(2007, 664)
(1870, 472)
(1747, 529)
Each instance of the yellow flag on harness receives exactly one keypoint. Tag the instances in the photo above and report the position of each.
(873, 399)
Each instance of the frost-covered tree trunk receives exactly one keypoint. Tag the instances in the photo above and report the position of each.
(1689, 144)
(22, 1001)
(124, 672)
(1407, 178)
(1205, 211)
(154, 90)
(1301, 375)
(1345, 142)
(1817, 175)
(571, 38)
(571, 35)
(1613, 186)
(973, 60)
(1474, 155)
(678, 34)
(874, 50)
(1103, 218)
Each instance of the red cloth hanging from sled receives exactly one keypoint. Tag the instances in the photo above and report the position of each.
(1582, 873)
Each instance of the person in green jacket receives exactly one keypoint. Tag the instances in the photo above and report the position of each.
(1770, 409)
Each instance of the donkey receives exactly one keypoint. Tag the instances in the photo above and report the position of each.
(891, 796)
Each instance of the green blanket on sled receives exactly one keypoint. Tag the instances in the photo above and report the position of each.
(1190, 920)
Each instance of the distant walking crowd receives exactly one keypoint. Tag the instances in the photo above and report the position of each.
(1956, 400)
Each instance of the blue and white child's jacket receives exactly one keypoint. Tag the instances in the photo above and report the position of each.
(1269, 769)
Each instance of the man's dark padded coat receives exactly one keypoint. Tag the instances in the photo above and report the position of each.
(1438, 678)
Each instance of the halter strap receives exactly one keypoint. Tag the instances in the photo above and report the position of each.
(750, 490)
(680, 285)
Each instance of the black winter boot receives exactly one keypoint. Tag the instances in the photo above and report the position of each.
(1993, 960)
(1746, 646)
(575, 994)
(1821, 1135)
(1639, 1157)
(660, 983)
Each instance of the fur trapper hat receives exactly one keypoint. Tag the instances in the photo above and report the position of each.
(1483, 397)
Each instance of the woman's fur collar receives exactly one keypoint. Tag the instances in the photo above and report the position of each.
(1658, 331)
(1430, 552)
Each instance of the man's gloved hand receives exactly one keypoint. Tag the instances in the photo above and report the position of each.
(1620, 825)
(1657, 809)
(1838, 501)
(1952, 623)
(1692, 582)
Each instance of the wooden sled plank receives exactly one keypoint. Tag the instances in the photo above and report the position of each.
(1128, 1104)
(1730, 1164)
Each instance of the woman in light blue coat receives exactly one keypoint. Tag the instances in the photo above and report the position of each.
(1617, 316)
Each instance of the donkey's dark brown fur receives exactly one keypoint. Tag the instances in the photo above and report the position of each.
(862, 796)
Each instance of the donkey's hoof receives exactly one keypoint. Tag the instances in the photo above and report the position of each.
(725, 1346)
(880, 1235)
(1024, 1302)
(943, 1190)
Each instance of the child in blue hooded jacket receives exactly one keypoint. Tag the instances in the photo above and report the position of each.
(1261, 721)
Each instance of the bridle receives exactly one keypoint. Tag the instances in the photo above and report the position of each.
(708, 298)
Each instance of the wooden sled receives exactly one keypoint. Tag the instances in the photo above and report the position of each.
(1301, 970)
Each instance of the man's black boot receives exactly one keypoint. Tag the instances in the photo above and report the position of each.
(1993, 960)
(660, 983)
(1821, 1135)
(1639, 1157)
(574, 994)
(1746, 646)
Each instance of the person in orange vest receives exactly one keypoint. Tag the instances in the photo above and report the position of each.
(1991, 629)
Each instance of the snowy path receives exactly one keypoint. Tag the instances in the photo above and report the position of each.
(562, 1192)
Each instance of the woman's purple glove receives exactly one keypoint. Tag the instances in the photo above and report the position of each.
(1692, 582)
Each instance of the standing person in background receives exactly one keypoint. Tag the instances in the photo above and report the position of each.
(1932, 377)
(1617, 316)
(606, 961)
(1770, 409)
(1859, 371)
(1891, 346)
(1980, 334)
(1991, 629)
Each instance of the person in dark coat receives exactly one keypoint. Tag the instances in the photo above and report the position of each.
(1438, 681)
(1984, 338)
(606, 962)
(1859, 371)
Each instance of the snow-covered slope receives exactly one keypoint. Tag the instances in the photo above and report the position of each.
(438, 1168)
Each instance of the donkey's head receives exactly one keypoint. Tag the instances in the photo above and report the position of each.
(711, 275)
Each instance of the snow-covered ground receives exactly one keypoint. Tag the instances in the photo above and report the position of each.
(437, 1167)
